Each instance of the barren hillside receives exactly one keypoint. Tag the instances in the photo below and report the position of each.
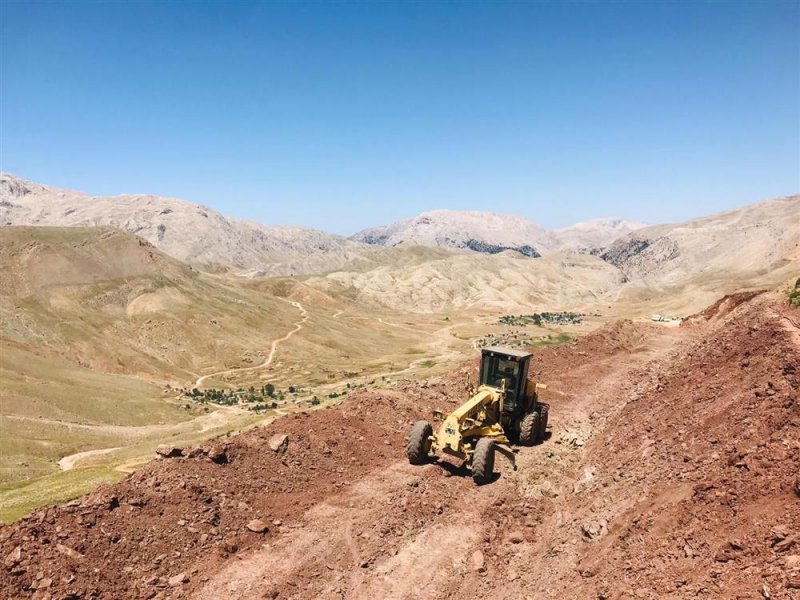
(94, 323)
(505, 281)
(671, 471)
(188, 232)
(747, 241)
(596, 234)
(484, 232)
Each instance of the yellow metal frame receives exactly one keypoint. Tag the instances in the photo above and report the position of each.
(478, 417)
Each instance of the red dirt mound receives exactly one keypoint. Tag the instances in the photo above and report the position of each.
(709, 461)
(723, 306)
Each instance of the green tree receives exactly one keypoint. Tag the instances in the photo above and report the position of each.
(270, 389)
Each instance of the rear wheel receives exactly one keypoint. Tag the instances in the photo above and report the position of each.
(529, 429)
(483, 461)
(419, 443)
(543, 421)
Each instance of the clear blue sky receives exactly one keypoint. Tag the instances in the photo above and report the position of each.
(344, 115)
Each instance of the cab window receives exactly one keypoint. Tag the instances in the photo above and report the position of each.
(496, 369)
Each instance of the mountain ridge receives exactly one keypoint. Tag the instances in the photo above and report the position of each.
(491, 232)
(187, 231)
(745, 240)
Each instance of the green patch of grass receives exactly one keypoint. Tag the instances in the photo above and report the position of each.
(18, 501)
(415, 351)
(427, 364)
(559, 339)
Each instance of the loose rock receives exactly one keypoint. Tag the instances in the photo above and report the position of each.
(167, 451)
(257, 526)
(218, 455)
(478, 561)
(279, 442)
(178, 579)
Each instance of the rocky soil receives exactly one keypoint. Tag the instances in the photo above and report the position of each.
(672, 470)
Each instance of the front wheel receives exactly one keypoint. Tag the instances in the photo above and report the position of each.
(543, 421)
(483, 461)
(419, 443)
(529, 429)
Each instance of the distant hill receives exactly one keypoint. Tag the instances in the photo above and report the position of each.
(738, 247)
(189, 232)
(753, 239)
(463, 280)
(485, 232)
(590, 236)
(491, 233)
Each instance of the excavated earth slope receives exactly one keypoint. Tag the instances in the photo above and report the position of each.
(671, 471)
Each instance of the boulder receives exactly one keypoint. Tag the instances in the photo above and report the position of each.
(279, 442)
(595, 529)
(218, 455)
(167, 451)
(257, 526)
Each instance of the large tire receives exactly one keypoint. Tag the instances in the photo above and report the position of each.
(483, 461)
(529, 429)
(418, 443)
(543, 421)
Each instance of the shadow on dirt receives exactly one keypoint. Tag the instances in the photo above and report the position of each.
(460, 470)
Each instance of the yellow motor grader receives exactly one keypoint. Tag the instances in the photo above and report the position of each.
(504, 409)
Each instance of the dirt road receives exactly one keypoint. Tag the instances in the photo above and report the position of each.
(68, 462)
(272, 350)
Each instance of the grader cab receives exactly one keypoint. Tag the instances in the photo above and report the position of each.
(504, 409)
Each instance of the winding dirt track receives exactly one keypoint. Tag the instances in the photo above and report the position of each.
(68, 462)
(272, 350)
(200, 424)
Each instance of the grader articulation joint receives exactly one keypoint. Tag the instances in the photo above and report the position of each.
(504, 409)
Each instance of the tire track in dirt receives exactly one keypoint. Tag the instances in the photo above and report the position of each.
(340, 549)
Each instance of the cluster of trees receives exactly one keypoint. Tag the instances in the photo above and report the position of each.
(230, 397)
(259, 399)
(539, 319)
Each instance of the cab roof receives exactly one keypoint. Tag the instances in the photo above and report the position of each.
(509, 351)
